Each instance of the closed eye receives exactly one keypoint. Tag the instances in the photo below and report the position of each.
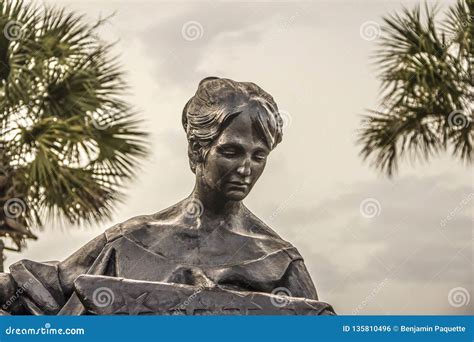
(260, 156)
(228, 151)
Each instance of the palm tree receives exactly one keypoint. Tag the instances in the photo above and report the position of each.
(68, 140)
(425, 63)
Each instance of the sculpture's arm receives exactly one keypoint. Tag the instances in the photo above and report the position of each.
(43, 287)
(79, 263)
(298, 281)
(9, 293)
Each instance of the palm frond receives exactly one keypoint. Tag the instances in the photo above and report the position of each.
(426, 81)
(69, 137)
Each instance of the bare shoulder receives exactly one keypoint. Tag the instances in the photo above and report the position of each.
(164, 218)
(257, 226)
(170, 214)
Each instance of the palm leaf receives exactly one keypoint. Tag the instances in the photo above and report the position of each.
(69, 139)
(425, 73)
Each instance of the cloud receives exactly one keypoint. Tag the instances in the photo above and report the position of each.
(180, 43)
(409, 242)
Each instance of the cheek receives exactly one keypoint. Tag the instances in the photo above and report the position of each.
(257, 170)
(217, 168)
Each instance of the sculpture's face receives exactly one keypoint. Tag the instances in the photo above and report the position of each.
(236, 159)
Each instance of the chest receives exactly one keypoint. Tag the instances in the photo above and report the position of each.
(202, 265)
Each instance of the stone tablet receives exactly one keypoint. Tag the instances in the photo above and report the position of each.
(103, 295)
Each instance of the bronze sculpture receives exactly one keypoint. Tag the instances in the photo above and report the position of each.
(209, 246)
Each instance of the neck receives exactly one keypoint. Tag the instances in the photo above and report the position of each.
(213, 203)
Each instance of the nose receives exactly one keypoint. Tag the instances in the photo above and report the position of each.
(244, 169)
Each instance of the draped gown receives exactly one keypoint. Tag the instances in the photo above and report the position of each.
(151, 248)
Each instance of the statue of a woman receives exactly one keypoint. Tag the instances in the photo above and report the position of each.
(208, 240)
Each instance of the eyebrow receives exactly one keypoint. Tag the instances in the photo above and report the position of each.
(239, 146)
(229, 144)
(260, 149)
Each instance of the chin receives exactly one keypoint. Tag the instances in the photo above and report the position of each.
(236, 195)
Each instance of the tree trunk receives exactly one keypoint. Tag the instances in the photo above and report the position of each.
(2, 257)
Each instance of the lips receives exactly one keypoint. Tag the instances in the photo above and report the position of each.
(240, 184)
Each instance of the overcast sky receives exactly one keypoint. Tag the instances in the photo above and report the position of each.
(413, 257)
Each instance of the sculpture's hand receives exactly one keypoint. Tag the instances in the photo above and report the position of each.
(297, 281)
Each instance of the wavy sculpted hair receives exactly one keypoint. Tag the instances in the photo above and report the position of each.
(218, 100)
